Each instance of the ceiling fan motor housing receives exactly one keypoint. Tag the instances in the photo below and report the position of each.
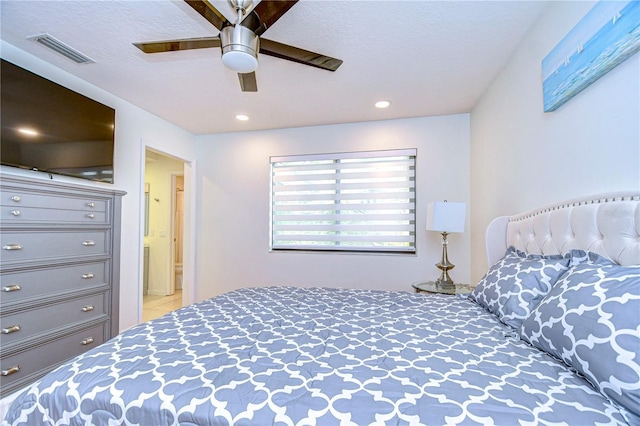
(240, 47)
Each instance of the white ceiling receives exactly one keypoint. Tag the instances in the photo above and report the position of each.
(427, 57)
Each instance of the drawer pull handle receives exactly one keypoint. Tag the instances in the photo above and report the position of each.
(87, 276)
(15, 212)
(11, 329)
(87, 308)
(10, 370)
(91, 215)
(87, 341)
(12, 247)
(88, 243)
(15, 198)
(12, 287)
(91, 204)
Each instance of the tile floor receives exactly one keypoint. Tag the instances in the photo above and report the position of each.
(156, 306)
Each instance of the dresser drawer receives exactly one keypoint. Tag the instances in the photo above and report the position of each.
(20, 199)
(30, 323)
(16, 215)
(20, 246)
(24, 367)
(34, 283)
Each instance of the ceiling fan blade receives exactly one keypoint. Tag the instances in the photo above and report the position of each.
(210, 13)
(181, 44)
(301, 56)
(248, 82)
(265, 14)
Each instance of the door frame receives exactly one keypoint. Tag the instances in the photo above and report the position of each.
(174, 202)
(189, 294)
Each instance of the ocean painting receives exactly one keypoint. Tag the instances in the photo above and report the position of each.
(604, 38)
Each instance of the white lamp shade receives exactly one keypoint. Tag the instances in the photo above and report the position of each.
(443, 216)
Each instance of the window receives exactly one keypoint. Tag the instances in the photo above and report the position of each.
(359, 201)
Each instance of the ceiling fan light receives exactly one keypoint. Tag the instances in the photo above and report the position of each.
(239, 49)
(240, 61)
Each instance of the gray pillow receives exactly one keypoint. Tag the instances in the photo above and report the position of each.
(517, 283)
(591, 321)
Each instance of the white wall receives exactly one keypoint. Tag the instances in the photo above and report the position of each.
(233, 229)
(522, 157)
(134, 129)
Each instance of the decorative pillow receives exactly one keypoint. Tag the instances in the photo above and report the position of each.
(591, 321)
(579, 256)
(517, 283)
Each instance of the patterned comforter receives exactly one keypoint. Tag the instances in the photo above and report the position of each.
(296, 356)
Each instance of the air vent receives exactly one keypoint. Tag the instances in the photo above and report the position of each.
(61, 48)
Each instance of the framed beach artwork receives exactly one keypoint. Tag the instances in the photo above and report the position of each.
(607, 35)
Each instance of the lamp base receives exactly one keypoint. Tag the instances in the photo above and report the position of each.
(445, 284)
(445, 266)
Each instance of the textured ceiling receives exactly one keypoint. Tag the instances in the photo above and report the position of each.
(427, 57)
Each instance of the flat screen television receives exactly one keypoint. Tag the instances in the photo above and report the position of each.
(50, 128)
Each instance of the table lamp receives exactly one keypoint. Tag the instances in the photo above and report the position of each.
(445, 217)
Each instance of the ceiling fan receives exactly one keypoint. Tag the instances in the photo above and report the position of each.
(240, 42)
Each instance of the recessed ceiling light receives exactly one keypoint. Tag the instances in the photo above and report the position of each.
(28, 132)
(242, 117)
(382, 104)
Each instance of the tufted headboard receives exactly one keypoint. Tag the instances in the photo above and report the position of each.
(608, 224)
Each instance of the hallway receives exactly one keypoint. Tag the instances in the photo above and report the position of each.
(156, 306)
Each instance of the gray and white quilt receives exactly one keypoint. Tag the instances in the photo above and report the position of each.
(305, 356)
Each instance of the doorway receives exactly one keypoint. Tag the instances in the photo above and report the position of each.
(164, 284)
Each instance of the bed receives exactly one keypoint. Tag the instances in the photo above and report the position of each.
(550, 335)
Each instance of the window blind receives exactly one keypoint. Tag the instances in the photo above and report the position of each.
(359, 201)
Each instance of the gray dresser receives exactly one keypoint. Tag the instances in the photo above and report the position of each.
(59, 272)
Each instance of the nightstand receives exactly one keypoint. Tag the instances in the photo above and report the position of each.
(431, 287)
